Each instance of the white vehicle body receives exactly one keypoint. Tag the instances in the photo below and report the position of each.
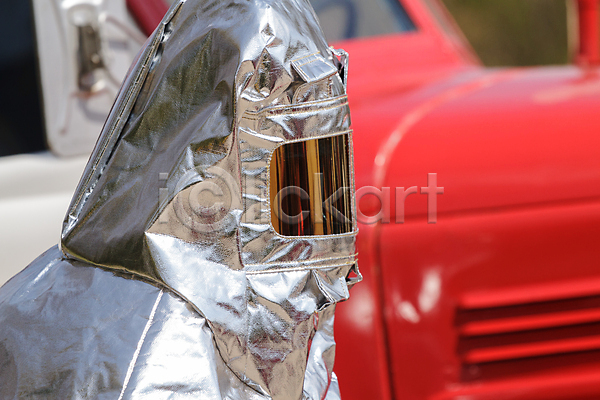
(84, 48)
(36, 191)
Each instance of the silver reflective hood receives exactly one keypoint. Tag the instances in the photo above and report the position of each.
(177, 198)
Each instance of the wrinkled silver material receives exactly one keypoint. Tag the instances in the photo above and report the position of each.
(148, 297)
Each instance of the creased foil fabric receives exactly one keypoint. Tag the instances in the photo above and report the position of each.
(170, 281)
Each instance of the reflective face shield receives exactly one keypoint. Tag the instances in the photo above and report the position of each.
(311, 191)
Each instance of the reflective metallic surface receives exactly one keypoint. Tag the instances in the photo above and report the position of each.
(170, 280)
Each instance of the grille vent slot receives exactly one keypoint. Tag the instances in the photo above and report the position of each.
(531, 329)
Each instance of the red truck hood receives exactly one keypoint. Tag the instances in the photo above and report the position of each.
(495, 138)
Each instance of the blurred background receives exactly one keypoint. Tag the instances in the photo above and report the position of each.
(515, 32)
(502, 32)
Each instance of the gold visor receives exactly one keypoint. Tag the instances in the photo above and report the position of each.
(311, 188)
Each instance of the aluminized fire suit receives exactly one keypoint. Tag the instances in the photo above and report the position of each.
(187, 269)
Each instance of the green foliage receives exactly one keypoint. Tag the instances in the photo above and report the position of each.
(514, 32)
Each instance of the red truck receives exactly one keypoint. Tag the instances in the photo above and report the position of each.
(500, 299)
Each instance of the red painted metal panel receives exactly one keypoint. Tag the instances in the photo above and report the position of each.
(536, 349)
(529, 322)
(147, 13)
(589, 32)
(435, 279)
(556, 386)
(501, 139)
(361, 354)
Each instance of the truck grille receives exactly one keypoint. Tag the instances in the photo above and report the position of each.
(505, 333)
